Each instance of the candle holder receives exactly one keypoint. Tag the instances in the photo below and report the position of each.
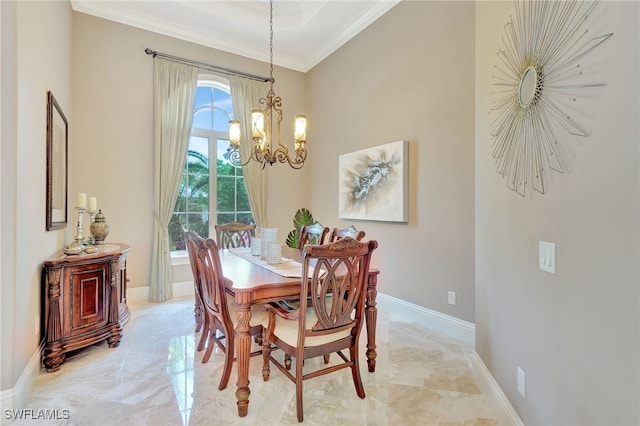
(76, 246)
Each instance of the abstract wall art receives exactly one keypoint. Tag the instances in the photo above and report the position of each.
(373, 183)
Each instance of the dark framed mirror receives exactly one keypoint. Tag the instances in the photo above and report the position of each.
(57, 170)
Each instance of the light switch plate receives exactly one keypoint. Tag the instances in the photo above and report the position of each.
(547, 257)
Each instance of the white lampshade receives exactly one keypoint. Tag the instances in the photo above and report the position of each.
(300, 128)
(234, 132)
(257, 124)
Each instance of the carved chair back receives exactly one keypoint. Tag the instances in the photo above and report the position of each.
(194, 243)
(312, 234)
(349, 231)
(214, 299)
(234, 234)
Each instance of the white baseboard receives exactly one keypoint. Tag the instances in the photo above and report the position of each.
(137, 295)
(500, 403)
(15, 397)
(401, 310)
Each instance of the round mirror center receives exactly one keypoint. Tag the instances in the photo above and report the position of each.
(527, 88)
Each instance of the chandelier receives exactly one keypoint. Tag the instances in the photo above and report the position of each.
(268, 146)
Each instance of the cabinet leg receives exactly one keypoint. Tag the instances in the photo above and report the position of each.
(114, 339)
(52, 360)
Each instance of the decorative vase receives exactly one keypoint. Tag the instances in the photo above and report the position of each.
(100, 228)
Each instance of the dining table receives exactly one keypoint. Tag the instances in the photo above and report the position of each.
(254, 282)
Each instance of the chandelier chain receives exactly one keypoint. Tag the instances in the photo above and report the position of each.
(271, 44)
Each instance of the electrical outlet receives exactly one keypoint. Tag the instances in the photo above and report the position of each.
(451, 297)
(521, 381)
(37, 324)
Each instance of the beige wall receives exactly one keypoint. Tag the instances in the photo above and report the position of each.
(575, 333)
(40, 40)
(113, 129)
(408, 76)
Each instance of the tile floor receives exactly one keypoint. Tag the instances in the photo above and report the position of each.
(156, 377)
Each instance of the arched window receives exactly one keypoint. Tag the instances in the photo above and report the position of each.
(206, 192)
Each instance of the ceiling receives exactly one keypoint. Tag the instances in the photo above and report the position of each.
(305, 31)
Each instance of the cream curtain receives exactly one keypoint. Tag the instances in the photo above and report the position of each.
(245, 94)
(174, 93)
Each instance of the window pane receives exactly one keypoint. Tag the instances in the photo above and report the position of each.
(225, 217)
(198, 203)
(203, 97)
(226, 194)
(198, 155)
(243, 199)
(220, 120)
(202, 118)
(199, 223)
(199, 191)
(183, 193)
(244, 217)
(222, 100)
(176, 226)
(225, 168)
(203, 107)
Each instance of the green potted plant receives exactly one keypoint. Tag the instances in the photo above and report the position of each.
(303, 217)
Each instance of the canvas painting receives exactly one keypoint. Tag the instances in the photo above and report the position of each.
(373, 183)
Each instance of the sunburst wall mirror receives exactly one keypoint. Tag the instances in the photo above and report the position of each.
(539, 72)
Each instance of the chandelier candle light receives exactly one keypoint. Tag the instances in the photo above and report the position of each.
(266, 149)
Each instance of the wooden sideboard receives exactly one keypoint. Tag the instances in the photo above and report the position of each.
(84, 301)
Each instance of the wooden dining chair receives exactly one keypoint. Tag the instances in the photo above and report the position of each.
(330, 323)
(235, 234)
(349, 231)
(219, 307)
(312, 234)
(196, 243)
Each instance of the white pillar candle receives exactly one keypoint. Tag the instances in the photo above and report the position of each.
(82, 200)
(93, 204)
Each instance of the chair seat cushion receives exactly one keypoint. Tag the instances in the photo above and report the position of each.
(287, 331)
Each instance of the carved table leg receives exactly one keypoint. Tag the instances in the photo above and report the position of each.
(243, 352)
(371, 314)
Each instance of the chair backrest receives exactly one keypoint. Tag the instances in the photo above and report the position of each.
(213, 292)
(349, 231)
(337, 286)
(193, 244)
(312, 234)
(235, 234)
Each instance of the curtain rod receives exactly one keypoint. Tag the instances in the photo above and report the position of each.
(205, 66)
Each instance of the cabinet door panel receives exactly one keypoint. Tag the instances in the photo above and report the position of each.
(89, 298)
